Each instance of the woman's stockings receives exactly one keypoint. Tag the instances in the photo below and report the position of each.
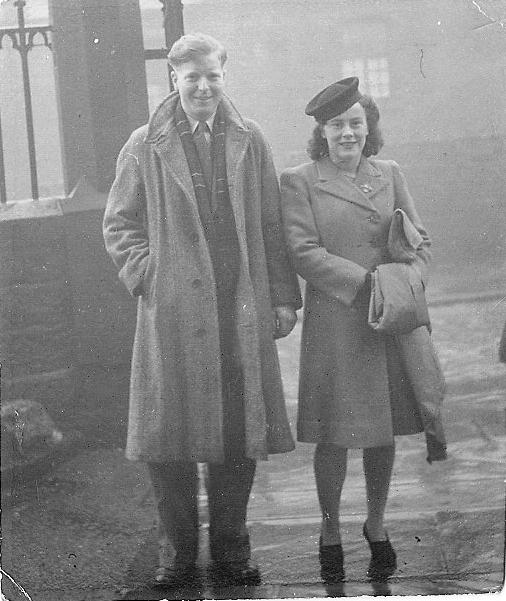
(330, 471)
(378, 463)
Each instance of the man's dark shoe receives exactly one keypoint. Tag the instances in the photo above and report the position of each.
(174, 569)
(178, 575)
(234, 573)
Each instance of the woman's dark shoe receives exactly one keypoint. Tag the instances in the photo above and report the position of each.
(383, 559)
(331, 563)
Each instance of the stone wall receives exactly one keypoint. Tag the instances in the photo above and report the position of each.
(66, 322)
(36, 315)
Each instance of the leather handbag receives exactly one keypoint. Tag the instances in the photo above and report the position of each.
(404, 240)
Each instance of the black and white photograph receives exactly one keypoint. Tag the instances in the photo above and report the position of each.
(252, 299)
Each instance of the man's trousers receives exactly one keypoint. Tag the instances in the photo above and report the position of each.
(175, 484)
(175, 487)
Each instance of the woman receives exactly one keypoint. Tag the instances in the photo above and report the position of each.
(353, 394)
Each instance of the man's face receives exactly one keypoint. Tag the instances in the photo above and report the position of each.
(200, 83)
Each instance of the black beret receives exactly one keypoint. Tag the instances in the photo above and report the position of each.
(334, 99)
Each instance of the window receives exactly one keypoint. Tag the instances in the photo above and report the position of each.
(373, 75)
(365, 46)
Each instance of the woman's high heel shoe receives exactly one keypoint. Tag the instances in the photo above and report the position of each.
(331, 563)
(383, 558)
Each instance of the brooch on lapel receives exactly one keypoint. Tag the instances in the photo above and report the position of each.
(365, 188)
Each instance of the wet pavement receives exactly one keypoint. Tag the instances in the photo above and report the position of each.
(86, 529)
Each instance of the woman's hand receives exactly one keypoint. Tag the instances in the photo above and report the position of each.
(284, 319)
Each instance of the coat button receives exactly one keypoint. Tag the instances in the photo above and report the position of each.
(200, 333)
(196, 283)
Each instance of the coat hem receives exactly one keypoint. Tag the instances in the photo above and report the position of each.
(312, 433)
(261, 456)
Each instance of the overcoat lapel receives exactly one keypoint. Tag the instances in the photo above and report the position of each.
(171, 152)
(162, 133)
(368, 183)
(236, 143)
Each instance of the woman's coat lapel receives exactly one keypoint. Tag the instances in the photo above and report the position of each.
(368, 183)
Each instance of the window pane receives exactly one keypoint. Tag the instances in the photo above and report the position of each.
(353, 67)
(378, 79)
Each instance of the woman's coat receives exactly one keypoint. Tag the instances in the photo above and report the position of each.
(152, 231)
(352, 390)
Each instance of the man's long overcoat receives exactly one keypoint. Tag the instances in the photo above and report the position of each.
(153, 233)
(353, 390)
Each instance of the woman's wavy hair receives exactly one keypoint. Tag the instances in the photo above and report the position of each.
(319, 148)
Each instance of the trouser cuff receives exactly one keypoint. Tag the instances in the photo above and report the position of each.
(230, 548)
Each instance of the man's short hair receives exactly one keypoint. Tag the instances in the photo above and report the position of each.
(189, 46)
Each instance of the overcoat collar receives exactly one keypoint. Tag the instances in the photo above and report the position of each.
(369, 181)
(162, 133)
(162, 122)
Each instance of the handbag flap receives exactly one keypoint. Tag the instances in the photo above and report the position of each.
(403, 238)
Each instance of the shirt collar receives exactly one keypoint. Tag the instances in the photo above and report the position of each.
(194, 122)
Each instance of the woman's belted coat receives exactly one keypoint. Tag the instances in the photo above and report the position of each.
(153, 232)
(353, 391)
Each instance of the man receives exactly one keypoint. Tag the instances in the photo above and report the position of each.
(193, 224)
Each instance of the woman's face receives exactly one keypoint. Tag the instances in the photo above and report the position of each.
(346, 134)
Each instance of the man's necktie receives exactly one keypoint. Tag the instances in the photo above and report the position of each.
(204, 152)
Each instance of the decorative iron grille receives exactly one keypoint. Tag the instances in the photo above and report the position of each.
(23, 39)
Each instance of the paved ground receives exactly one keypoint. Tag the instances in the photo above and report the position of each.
(85, 531)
